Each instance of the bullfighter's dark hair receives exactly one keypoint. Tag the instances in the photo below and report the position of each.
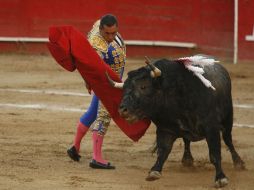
(108, 20)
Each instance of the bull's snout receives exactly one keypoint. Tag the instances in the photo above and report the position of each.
(123, 111)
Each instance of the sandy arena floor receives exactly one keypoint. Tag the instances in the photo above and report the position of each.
(40, 106)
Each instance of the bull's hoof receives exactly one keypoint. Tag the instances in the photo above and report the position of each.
(221, 182)
(153, 175)
(240, 165)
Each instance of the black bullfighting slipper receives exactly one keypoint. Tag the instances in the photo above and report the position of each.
(97, 165)
(73, 154)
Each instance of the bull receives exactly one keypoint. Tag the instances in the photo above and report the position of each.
(187, 98)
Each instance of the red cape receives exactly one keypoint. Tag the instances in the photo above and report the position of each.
(71, 50)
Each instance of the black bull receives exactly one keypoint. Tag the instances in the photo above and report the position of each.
(181, 106)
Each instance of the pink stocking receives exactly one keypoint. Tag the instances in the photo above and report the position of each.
(97, 146)
(80, 133)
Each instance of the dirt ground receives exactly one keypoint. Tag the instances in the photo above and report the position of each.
(38, 120)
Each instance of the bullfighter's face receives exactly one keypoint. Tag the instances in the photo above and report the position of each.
(109, 32)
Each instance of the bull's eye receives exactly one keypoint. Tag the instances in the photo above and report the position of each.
(143, 87)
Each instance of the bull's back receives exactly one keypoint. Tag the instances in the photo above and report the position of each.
(219, 78)
(202, 102)
(223, 107)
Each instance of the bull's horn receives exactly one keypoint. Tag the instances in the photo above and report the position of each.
(113, 83)
(155, 72)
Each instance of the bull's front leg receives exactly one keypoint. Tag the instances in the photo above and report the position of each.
(165, 143)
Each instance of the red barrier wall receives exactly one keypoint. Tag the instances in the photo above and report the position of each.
(246, 28)
(208, 23)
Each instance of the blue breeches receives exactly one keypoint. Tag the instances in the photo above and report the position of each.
(90, 115)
